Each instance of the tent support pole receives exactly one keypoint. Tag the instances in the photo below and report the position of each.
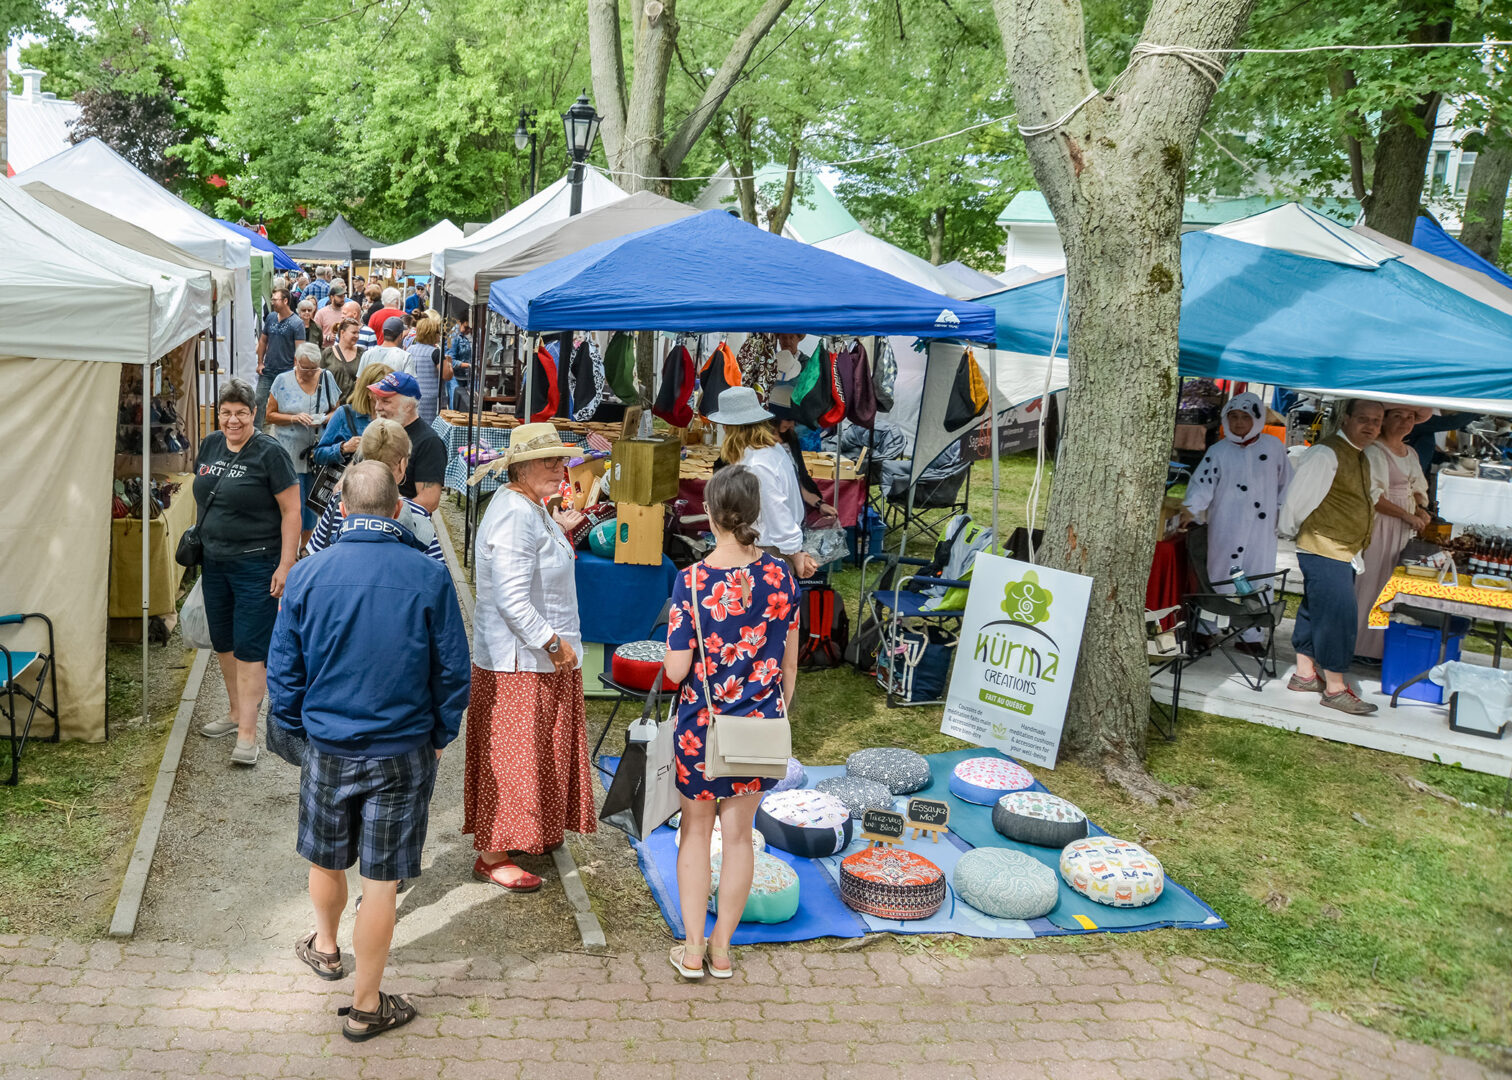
(214, 377)
(146, 516)
(992, 409)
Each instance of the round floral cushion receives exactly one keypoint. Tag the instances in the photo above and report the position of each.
(891, 883)
(1005, 884)
(796, 777)
(636, 664)
(805, 822)
(774, 890)
(716, 842)
(1111, 871)
(857, 794)
(903, 771)
(1039, 818)
(984, 780)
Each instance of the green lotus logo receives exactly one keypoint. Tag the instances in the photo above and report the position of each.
(1027, 601)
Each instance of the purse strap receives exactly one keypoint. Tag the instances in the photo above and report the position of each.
(210, 499)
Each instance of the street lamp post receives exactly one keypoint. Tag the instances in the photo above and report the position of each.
(525, 135)
(581, 123)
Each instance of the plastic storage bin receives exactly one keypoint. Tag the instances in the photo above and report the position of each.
(1412, 650)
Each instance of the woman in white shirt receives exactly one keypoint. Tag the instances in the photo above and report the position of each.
(750, 441)
(527, 744)
(1400, 489)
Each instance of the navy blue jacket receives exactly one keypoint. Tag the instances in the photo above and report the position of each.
(369, 654)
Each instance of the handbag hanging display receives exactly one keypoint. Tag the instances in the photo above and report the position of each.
(643, 793)
(757, 746)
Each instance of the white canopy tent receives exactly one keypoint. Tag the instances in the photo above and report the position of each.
(469, 275)
(95, 174)
(873, 251)
(419, 249)
(71, 313)
(551, 203)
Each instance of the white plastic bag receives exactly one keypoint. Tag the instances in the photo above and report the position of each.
(194, 625)
(1485, 694)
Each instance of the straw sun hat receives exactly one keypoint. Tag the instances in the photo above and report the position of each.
(531, 441)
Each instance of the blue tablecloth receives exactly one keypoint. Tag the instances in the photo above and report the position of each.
(617, 603)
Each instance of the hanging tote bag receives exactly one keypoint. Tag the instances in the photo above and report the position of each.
(643, 794)
(741, 745)
(884, 375)
(720, 372)
(829, 379)
(968, 394)
(674, 398)
(856, 380)
(619, 366)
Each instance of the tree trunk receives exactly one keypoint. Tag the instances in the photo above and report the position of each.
(935, 233)
(1114, 176)
(1340, 83)
(645, 365)
(777, 219)
(745, 165)
(1401, 159)
(1486, 201)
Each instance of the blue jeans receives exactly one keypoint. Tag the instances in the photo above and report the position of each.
(1327, 618)
(264, 388)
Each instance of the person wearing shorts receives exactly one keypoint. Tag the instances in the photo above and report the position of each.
(369, 666)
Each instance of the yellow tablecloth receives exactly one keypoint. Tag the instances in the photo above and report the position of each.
(1401, 584)
(163, 534)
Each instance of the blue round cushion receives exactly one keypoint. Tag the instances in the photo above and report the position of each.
(857, 794)
(985, 780)
(774, 890)
(796, 777)
(1005, 884)
(902, 771)
(805, 822)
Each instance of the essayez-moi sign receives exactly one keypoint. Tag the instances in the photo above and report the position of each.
(1020, 639)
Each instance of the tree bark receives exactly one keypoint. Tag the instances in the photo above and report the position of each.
(745, 165)
(606, 62)
(777, 219)
(1486, 201)
(1401, 159)
(1341, 85)
(1114, 176)
(935, 234)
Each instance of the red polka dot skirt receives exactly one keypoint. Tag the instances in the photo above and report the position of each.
(527, 761)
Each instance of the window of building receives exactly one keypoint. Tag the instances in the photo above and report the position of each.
(1462, 174)
(1440, 175)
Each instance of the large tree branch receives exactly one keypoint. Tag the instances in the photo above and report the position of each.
(606, 60)
(724, 80)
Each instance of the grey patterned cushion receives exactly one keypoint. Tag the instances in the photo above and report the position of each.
(796, 777)
(902, 771)
(857, 794)
(1005, 884)
(1039, 818)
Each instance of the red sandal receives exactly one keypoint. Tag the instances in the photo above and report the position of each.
(524, 883)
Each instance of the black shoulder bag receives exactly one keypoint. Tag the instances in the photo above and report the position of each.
(191, 549)
(326, 477)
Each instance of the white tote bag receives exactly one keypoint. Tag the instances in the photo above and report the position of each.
(194, 625)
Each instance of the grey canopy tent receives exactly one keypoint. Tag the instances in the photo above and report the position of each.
(337, 242)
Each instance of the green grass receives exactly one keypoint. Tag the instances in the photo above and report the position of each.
(67, 829)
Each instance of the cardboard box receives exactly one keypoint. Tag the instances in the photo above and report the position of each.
(644, 471)
(640, 534)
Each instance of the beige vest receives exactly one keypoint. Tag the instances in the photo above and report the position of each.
(1340, 527)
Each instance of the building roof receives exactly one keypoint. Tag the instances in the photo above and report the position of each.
(817, 213)
(39, 123)
(1030, 208)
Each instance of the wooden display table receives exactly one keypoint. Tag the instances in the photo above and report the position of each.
(125, 600)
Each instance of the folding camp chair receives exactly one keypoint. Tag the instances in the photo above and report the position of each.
(16, 667)
(1166, 650)
(630, 694)
(937, 497)
(1233, 615)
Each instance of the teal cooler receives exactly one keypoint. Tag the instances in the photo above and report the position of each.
(1411, 650)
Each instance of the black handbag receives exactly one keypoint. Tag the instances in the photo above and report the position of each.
(191, 549)
(325, 478)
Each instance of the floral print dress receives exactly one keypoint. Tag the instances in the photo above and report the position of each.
(745, 614)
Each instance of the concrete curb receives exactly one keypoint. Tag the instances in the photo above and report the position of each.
(589, 929)
(134, 885)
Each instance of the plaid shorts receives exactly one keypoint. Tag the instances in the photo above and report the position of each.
(373, 811)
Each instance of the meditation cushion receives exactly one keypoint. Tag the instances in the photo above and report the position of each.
(805, 822)
(1111, 871)
(635, 664)
(891, 883)
(857, 794)
(774, 890)
(601, 539)
(902, 771)
(796, 777)
(984, 780)
(716, 842)
(1005, 884)
(1039, 818)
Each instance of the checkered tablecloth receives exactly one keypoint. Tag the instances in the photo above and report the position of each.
(496, 438)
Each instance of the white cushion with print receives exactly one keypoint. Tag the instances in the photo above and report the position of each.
(1111, 871)
(805, 822)
(985, 780)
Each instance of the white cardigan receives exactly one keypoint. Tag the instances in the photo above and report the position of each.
(526, 587)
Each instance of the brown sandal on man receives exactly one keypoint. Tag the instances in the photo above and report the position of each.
(327, 965)
(393, 1011)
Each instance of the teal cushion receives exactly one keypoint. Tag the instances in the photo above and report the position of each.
(774, 890)
(1005, 884)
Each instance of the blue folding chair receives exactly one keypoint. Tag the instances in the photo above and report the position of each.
(14, 664)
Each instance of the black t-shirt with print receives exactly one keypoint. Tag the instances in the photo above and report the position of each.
(427, 464)
(244, 521)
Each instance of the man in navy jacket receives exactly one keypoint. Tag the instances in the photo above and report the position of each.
(369, 665)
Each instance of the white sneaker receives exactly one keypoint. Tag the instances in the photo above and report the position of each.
(245, 753)
(218, 729)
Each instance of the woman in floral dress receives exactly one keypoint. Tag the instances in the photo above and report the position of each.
(743, 605)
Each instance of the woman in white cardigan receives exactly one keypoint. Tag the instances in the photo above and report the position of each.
(527, 747)
(750, 441)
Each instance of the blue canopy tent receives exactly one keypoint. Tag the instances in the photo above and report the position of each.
(281, 261)
(712, 273)
(1428, 235)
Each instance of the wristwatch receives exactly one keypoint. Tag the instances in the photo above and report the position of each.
(554, 646)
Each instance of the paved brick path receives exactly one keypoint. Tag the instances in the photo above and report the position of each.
(71, 1011)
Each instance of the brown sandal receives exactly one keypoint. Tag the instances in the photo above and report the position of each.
(393, 1011)
(327, 965)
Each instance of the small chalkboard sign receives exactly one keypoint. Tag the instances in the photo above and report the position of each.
(882, 827)
(928, 815)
